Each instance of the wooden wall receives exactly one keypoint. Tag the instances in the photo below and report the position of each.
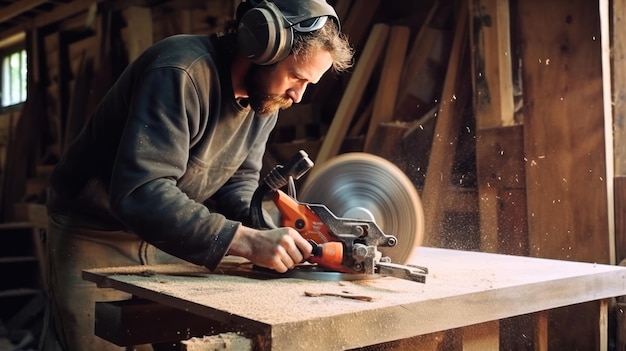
(515, 88)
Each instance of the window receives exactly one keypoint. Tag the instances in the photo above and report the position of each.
(13, 76)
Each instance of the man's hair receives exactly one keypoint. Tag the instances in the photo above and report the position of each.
(328, 38)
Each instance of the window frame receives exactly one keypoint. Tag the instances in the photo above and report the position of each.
(6, 51)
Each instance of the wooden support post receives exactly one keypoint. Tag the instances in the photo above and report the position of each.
(619, 124)
(603, 326)
(445, 139)
(541, 331)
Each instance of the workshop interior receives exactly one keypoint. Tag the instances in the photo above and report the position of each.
(491, 130)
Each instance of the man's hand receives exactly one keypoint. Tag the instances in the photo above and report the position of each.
(278, 249)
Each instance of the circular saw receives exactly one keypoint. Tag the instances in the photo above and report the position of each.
(365, 186)
(360, 213)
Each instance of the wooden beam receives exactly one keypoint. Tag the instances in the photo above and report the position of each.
(564, 143)
(19, 7)
(618, 71)
(565, 158)
(491, 63)
(385, 100)
(64, 11)
(493, 108)
(440, 164)
(352, 95)
(607, 93)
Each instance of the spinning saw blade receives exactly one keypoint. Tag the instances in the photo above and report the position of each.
(364, 186)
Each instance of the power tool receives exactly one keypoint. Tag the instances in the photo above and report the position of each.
(365, 190)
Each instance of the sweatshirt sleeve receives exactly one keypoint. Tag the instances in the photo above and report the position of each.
(152, 156)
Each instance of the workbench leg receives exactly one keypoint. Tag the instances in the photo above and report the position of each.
(541, 331)
(482, 337)
(604, 325)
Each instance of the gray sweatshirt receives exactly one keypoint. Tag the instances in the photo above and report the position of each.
(168, 139)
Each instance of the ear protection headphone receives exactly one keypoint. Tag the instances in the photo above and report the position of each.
(266, 28)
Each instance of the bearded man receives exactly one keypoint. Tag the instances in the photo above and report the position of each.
(165, 168)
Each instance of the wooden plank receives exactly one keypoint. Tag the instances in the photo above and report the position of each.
(352, 95)
(620, 218)
(619, 89)
(19, 7)
(445, 139)
(222, 342)
(419, 85)
(63, 12)
(512, 222)
(389, 83)
(566, 164)
(139, 21)
(607, 94)
(493, 108)
(565, 172)
(491, 63)
(500, 167)
(77, 112)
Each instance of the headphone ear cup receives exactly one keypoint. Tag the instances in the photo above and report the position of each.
(261, 35)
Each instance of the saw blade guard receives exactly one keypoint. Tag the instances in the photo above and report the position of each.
(368, 187)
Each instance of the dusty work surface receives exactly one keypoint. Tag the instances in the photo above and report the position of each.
(462, 288)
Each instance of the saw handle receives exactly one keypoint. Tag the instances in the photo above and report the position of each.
(329, 255)
(278, 177)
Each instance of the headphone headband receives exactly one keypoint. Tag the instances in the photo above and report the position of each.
(266, 30)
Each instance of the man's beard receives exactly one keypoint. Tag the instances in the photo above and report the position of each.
(260, 100)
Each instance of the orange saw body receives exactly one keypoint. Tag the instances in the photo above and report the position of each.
(346, 245)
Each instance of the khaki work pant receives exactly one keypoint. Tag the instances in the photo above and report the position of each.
(70, 249)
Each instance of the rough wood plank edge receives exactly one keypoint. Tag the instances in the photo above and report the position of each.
(225, 341)
(352, 96)
(439, 170)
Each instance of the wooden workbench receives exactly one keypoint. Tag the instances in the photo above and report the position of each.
(462, 290)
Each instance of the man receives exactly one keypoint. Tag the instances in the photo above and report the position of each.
(166, 166)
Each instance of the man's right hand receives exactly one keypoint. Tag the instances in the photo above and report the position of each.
(279, 249)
